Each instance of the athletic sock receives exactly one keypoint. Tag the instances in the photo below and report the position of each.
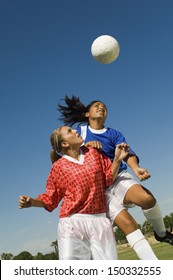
(154, 216)
(140, 245)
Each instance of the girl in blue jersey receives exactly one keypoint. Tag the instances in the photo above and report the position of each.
(125, 190)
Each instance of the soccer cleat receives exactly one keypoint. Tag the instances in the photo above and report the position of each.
(168, 238)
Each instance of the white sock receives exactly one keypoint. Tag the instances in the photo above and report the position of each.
(154, 216)
(140, 245)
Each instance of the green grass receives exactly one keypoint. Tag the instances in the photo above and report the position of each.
(163, 252)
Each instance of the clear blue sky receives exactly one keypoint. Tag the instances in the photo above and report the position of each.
(45, 54)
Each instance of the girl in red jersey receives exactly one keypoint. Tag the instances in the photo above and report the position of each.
(79, 177)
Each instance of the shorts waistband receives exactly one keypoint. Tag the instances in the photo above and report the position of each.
(90, 216)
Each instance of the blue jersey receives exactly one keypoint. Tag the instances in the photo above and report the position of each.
(108, 137)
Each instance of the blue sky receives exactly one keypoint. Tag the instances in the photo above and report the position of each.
(45, 54)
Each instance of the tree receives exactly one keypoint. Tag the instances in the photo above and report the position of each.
(120, 236)
(55, 245)
(51, 256)
(39, 256)
(171, 220)
(23, 256)
(167, 221)
(146, 227)
(6, 256)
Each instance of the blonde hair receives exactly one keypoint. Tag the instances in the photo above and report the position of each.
(56, 141)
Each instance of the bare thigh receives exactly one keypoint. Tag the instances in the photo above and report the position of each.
(140, 196)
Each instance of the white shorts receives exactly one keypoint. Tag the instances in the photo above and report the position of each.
(116, 192)
(86, 237)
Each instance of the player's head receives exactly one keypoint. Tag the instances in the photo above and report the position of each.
(64, 138)
(96, 110)
(77, 112)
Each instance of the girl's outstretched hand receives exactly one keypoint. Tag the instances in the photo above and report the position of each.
(25, 201)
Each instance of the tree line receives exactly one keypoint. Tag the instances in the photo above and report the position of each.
(146, 228)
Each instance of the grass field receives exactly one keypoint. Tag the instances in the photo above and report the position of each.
(163, 252)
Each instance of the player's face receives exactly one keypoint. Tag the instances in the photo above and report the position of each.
(98, 110)
(71, 137)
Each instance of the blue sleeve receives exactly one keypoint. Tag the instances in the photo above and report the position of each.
(121, 138)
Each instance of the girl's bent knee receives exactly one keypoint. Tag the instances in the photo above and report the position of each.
(148, 202)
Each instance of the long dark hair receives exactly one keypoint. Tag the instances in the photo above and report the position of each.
(75, 111)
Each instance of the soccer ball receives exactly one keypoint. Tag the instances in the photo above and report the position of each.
(105, 49)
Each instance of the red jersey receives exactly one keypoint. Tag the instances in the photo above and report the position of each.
(80, 183)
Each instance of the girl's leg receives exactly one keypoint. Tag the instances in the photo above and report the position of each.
(151, 210)
(134, 236)
(118, 214)
(139, 196)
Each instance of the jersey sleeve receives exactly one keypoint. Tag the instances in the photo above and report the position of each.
(119, 138)
(54, 191)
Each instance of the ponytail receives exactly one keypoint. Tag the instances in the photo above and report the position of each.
(74, 112)
(55, 140)
(54, 156)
